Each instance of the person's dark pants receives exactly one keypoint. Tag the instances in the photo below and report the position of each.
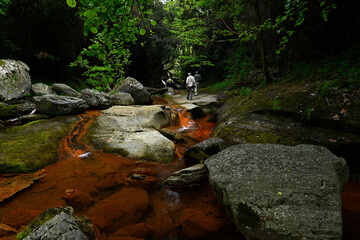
(189, 93)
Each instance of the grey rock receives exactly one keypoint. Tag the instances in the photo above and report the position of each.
(172, 135)
(122, 98)
(39, 89)
(205, 149)
(96, 99)
(15, 80)
(187, 177)
(155, 91)
(62, 226)
(56, 105)
(209, 103)
(137, 91)
(131, 131)
(63, 89)
(194, 110)
(280, 192)
(60, 223)
(32, 117)
(18, 109)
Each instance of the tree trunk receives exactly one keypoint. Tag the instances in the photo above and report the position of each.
(267, 76)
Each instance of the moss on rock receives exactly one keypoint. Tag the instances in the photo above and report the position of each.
(32, 146)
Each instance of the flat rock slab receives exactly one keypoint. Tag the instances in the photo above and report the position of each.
(132, 132)
(280, 192)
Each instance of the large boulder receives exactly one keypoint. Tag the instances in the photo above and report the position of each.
(59, 223)
(39, 89)
(137, 91)
(131, 131)
(56, 105)
(122, 98)
(209, 103)
(63, 89)
(20, 146)
(280, 192)
(293, 113)
(96, 99)
(15, 80)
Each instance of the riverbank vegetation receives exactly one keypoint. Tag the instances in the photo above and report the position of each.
(90, 43)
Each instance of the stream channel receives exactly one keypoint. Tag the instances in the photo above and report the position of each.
(123, 197)
(127, 198)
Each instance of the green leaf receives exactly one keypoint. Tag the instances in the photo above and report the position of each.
(102, 56)
(153, 22)
(142, 31)
(94, 30)
(71, 3)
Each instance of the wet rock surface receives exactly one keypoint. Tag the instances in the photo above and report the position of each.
(187, 177)
(123, 208)
(271, 190)
(20, 146)
(202, 151)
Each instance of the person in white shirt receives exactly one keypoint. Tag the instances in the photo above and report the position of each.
(190, 85)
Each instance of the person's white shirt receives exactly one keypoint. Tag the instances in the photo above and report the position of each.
(190, 81)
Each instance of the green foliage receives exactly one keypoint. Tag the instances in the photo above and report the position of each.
(238, 66)
(294, 16)
(221, 85)
(114, 26)
(191, 24)
(332, 73)
(245, 91)
(4, 4)
(308, 113)
(276, 104)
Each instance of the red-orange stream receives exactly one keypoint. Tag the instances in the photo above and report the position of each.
(123, 197)
(127, 197)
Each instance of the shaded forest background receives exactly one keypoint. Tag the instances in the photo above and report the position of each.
(207, 36)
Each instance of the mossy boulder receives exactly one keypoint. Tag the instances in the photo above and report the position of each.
(16, 110)
(32, 146)
(292, 113)
(82, 222)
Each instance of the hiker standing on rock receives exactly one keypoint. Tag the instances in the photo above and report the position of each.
(190, 85)
(197, 82)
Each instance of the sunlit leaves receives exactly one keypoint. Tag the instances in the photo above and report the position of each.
(94, 30)
(71, 3)
(114, 26)
(153, 22)
(142, 31)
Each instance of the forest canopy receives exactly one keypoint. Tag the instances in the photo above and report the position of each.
(97, 43)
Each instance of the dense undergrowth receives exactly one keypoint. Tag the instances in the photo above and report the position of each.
(329, 75)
